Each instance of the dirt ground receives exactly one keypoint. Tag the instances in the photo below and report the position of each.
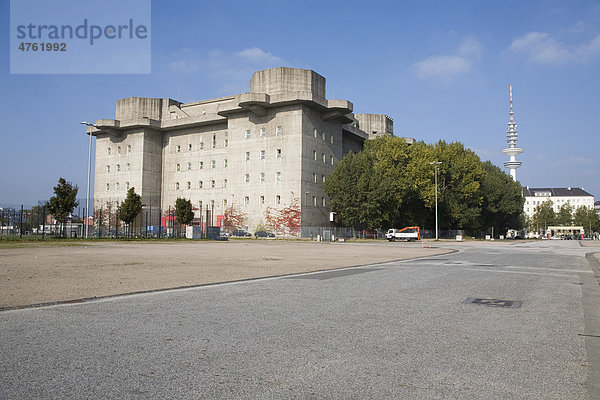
(33, 275)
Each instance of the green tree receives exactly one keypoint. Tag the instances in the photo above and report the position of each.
(63, 202)
(543, 216)
(184, 212)
(130, 208)
(588, 218)
(564, 216)
(502, 201)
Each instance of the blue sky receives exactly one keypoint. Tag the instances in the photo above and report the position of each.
(440, 69)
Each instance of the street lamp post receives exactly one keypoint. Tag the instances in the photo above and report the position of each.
(436, 163)
(87, 197)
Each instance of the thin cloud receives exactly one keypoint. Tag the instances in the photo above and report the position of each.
(217, 62)
(542, 48)
(452, 66)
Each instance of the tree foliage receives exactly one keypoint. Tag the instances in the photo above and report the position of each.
(564, 216)
(131, 206)
(543, 216)
(588, 218)
(64, 200)
(286, 220)
(391, 183)
(233, 218)
(184, 212)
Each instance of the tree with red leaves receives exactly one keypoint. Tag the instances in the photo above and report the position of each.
(234, 218)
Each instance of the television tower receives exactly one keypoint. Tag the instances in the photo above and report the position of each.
(511, 138)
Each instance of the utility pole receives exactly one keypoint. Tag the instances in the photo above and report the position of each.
(436, 163)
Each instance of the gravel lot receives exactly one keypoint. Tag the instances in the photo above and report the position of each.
(33, 275)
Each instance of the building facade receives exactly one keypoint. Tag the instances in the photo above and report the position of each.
(576, 197)
(258, 152)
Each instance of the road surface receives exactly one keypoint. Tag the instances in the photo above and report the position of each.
(493, 320)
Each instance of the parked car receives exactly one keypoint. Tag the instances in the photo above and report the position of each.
(241, 233)
(264, 234)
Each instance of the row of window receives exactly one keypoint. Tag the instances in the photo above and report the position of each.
(323, 136)
(261, 201)
(117, 186)
(246, 179)
(213, 145)
(262, 132)
(109, 150)
(323, 158)
(118, 168)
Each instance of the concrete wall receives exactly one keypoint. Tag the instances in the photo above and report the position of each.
(282, 80)
(375, 124)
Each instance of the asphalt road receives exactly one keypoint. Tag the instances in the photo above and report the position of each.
(396, 330)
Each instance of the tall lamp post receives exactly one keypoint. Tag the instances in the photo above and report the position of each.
(87, 197)
(436, 163)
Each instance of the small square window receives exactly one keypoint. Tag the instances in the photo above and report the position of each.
(201, 145)
(278, 199)
(200, 187)
(225, 163)
(213, 164)
(118, 167)
(278, 176)
(263, 132)
(108, 151)
(212, 184)
(117, 187)
(246, 200)
(108, 187)
(315, 155)
(108, 169)
(247, 134)
(278, 153)
(262, 176)
(224, 183)
(247, 178)
(190, 147)
(189, 166)
(278, 131)
(128, 148)
(315, 178)
(323, 135)
(178, 168)
(128, 167)
(315, 133)
(331, 160)
(118, 149)
(201, 165)
(247, 156)
(262, 154)
(176, 185)
(189, 185)
(178, 148)
(262, 200)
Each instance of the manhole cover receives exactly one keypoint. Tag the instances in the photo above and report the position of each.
(494, 302)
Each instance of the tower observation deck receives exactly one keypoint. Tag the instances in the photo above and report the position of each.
(511, 138)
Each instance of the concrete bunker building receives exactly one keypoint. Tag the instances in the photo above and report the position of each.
(267, 148)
